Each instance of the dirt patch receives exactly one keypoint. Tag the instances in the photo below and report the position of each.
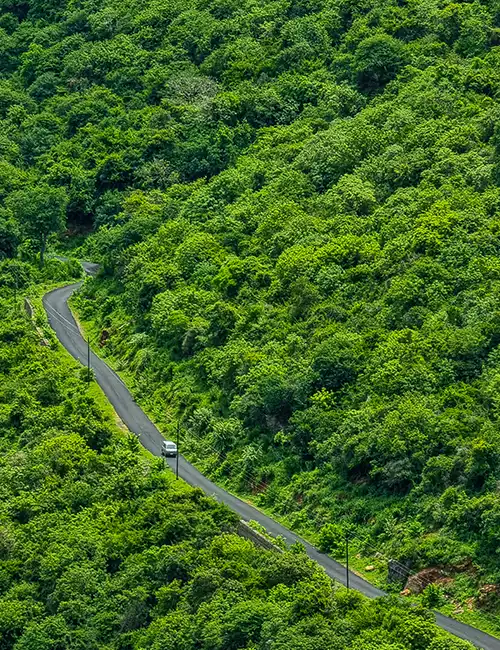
(489, 597)
(418, 582)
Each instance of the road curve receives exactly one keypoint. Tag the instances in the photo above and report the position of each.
(63, 323)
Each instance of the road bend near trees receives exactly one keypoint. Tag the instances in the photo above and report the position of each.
(63, 323)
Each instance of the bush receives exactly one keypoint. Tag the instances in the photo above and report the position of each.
(432, 596)
(16, 274)
(331, 539)
(56, 270)
(85, 373)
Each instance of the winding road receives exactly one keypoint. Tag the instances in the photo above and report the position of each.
(63, 323)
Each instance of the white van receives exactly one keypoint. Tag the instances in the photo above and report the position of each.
(168, 448)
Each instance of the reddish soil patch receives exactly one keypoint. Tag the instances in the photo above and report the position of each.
(418, 582)
(489, 597)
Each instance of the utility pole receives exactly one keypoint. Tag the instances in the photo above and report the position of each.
(88, 360)
(177, 454)
(347, 559)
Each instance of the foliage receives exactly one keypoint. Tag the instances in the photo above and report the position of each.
(101, 547)
(331, 539)
(296, 208)
(432, 596)
(40, 211)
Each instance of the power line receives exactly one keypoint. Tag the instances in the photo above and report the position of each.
(405, 571)
(249, 476)
(61, 318)
(244, 473)
(69, 325)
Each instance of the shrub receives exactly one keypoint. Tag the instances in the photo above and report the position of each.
(331, 539)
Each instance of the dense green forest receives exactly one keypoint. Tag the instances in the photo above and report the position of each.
(297, 210)
(101, 549)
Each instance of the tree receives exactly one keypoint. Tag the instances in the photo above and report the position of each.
(40, 211)
(377, 60)
(9, 236)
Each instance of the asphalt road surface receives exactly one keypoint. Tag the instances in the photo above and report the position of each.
(63, 323)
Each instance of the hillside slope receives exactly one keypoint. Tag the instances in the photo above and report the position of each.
(101, 549)
(297, 209)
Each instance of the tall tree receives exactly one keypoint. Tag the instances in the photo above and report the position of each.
(40, 211)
